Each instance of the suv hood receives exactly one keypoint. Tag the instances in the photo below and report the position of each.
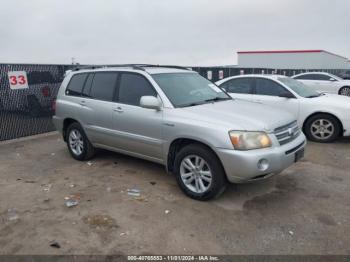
(240, 115)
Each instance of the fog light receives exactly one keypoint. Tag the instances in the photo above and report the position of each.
(263, 164)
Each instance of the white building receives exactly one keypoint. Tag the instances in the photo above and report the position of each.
(292, 59)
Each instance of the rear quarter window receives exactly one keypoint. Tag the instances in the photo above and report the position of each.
(239, 85)
(76, 84)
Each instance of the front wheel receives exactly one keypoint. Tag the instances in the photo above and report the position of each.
(345, 91)
(78, 144)
(322, 128)
(199, 172)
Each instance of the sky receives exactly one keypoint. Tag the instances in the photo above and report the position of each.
(181, 32)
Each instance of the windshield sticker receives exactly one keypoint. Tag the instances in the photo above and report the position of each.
(215, 88)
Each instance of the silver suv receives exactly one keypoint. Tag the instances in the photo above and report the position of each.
(179, 119)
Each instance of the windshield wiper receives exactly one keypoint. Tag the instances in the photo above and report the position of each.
(205, 101)
(312, 96)
(192, 104)
(217, 98)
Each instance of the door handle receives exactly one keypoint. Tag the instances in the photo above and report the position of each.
(118, 109)
(82, 103)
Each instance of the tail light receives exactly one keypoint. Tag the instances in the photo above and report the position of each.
(53, 106)
(45, 91)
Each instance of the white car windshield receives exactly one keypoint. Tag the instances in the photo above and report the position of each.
(298, 87)
(189, 89)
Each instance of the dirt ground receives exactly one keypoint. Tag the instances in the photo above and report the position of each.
(304, 210)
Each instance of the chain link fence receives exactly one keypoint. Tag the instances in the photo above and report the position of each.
(27, 111)
(26, 102)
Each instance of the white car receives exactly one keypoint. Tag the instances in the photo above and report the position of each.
(323, 117)
(325, 83)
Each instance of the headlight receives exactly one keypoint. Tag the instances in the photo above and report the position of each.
(245, 140)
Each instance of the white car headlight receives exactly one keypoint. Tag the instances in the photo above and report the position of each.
(245, 140)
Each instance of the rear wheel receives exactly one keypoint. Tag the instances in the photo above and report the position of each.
(78, 144)
(345, 91)
(322, 128)
(199, 172)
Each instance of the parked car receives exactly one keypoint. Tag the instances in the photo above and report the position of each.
(346, 75)
(179, 119)
(325, 83)
(322, 117)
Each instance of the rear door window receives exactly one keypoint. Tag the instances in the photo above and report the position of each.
(239, 86)
(132, 87)
(87, 86)
(103, 86)
(76, 84)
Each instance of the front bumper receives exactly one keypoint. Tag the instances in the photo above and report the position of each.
(242, 166)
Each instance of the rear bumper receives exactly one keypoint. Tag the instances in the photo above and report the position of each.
(241, 166)
(58, 123)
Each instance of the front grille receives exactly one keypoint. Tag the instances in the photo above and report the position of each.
(287, 133)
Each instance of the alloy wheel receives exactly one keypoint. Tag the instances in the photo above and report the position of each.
(195, 174)
(322, 129)
(76, 142)
(345, 91)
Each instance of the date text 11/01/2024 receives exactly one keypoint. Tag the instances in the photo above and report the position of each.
(173, 258)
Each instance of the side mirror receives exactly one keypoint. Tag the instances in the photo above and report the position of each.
(150, 102)
(286, 95)
(332, 79)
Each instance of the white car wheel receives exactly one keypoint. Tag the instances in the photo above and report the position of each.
(345, 91)
(322, 129)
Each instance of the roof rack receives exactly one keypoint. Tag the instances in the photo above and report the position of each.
(134, 66)
(106, 66)
(164, 66)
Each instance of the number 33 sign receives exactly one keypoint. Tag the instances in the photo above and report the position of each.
(18, 80)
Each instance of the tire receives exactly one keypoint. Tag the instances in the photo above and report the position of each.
(344, 91)
(211, 164)
(75, 134)
(322, 128)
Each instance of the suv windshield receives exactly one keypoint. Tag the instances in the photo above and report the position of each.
(298, 87)
(189, 89)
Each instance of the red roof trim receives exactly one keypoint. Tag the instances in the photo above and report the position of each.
(280, 51)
